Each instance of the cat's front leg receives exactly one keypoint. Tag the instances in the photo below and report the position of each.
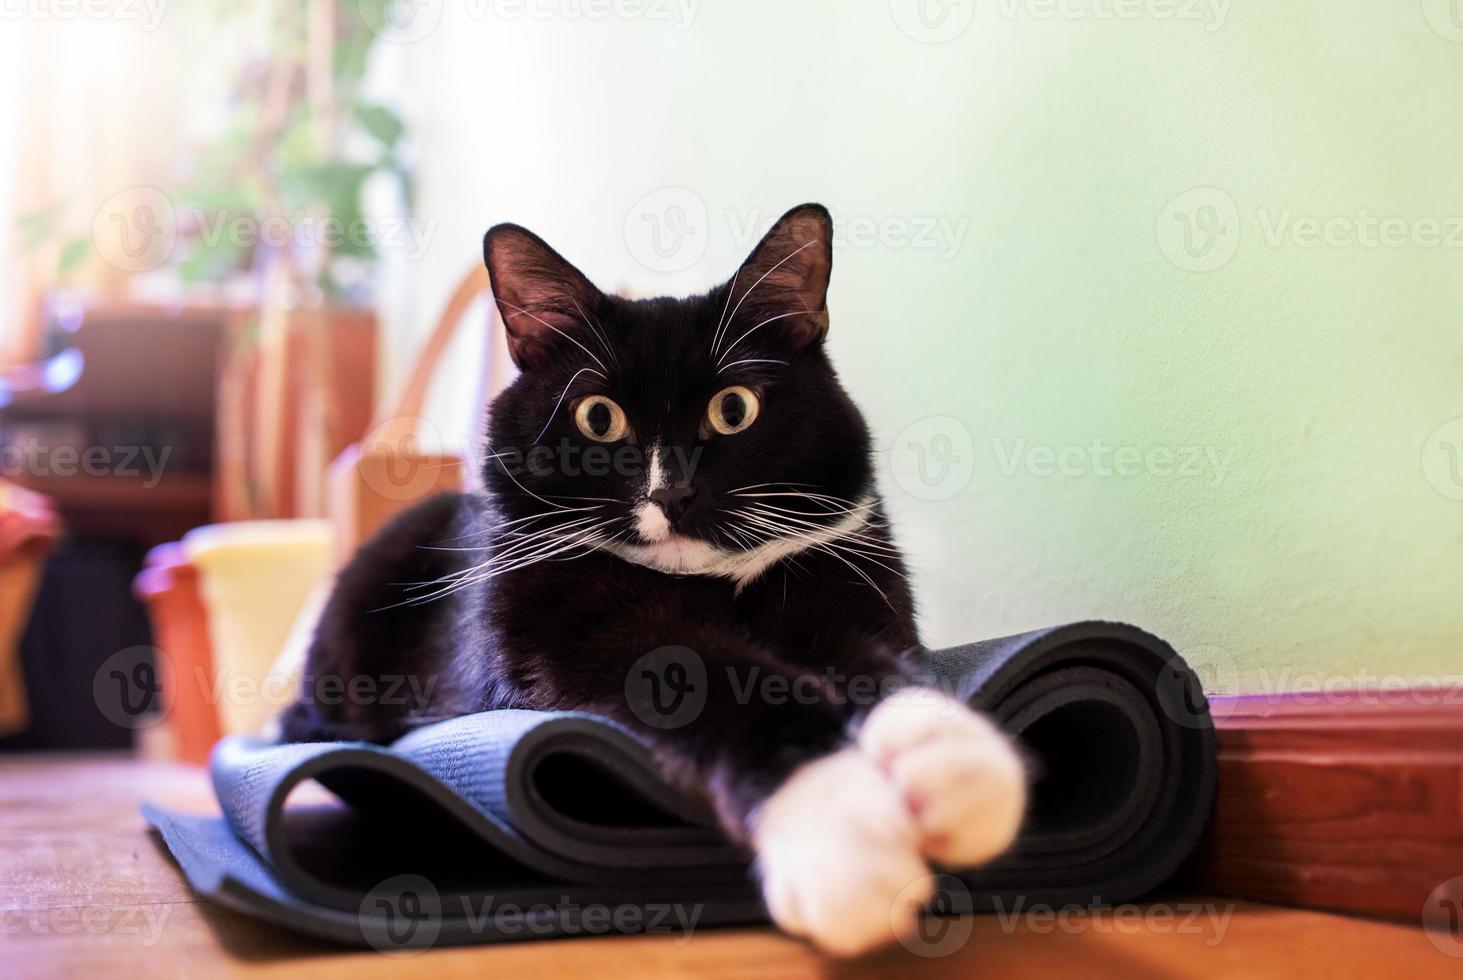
(836, 846)
(838, 855)
(842, 843)
(959, 777)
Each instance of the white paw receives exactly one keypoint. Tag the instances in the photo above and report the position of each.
(837, 851)
(960, 778)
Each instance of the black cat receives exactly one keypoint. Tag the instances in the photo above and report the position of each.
(681, 488)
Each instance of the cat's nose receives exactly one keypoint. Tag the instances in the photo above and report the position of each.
(673, 500)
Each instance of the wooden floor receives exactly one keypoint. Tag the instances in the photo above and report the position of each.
(85, 891)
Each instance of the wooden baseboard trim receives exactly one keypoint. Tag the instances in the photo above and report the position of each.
(1351, 802)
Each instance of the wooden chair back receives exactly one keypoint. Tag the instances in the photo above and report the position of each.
(389, 471)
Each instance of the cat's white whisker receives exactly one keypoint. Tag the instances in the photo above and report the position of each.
(488, 570)
(721, 320)
(765, 275)
(522, 541)
(520, 538)
(733, 345)
(828, 543)
(550, 502)
(840, 510)
(550, 420)
(597, 330)
(493, 529)
(866, 541)
(556, 330)
(751, 360)
(797, 518)
(758, 486)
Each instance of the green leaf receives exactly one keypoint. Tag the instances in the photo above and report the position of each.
(335, 185)
(73, 253)
(205, 263)
(381, 123)
(37, 226)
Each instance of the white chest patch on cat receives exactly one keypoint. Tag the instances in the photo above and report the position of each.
(678, 554)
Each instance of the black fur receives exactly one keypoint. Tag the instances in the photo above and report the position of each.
(563, 633)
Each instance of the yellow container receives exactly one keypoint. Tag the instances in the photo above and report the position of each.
(255, 577)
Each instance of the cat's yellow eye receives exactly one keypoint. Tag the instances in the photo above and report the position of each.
(732, 410)
(600, 419)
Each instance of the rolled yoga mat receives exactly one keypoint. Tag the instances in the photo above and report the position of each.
(514, 824)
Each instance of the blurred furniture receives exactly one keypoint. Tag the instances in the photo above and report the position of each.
(117, 425)
(168, 586)
(27, 382)
(143, 421)
(113, 423)
(388, 471)
(261, 584)
(255, 577)
(28, 530)
(190, 414)
(297, 388)
(83, 652)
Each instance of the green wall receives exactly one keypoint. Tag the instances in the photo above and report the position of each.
(1283, 508)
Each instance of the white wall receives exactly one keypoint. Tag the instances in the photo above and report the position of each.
(1063, 154)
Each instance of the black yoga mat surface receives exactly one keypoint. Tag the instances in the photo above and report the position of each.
(511, 825)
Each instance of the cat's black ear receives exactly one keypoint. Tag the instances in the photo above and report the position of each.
(544, 300)
(786, 276)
